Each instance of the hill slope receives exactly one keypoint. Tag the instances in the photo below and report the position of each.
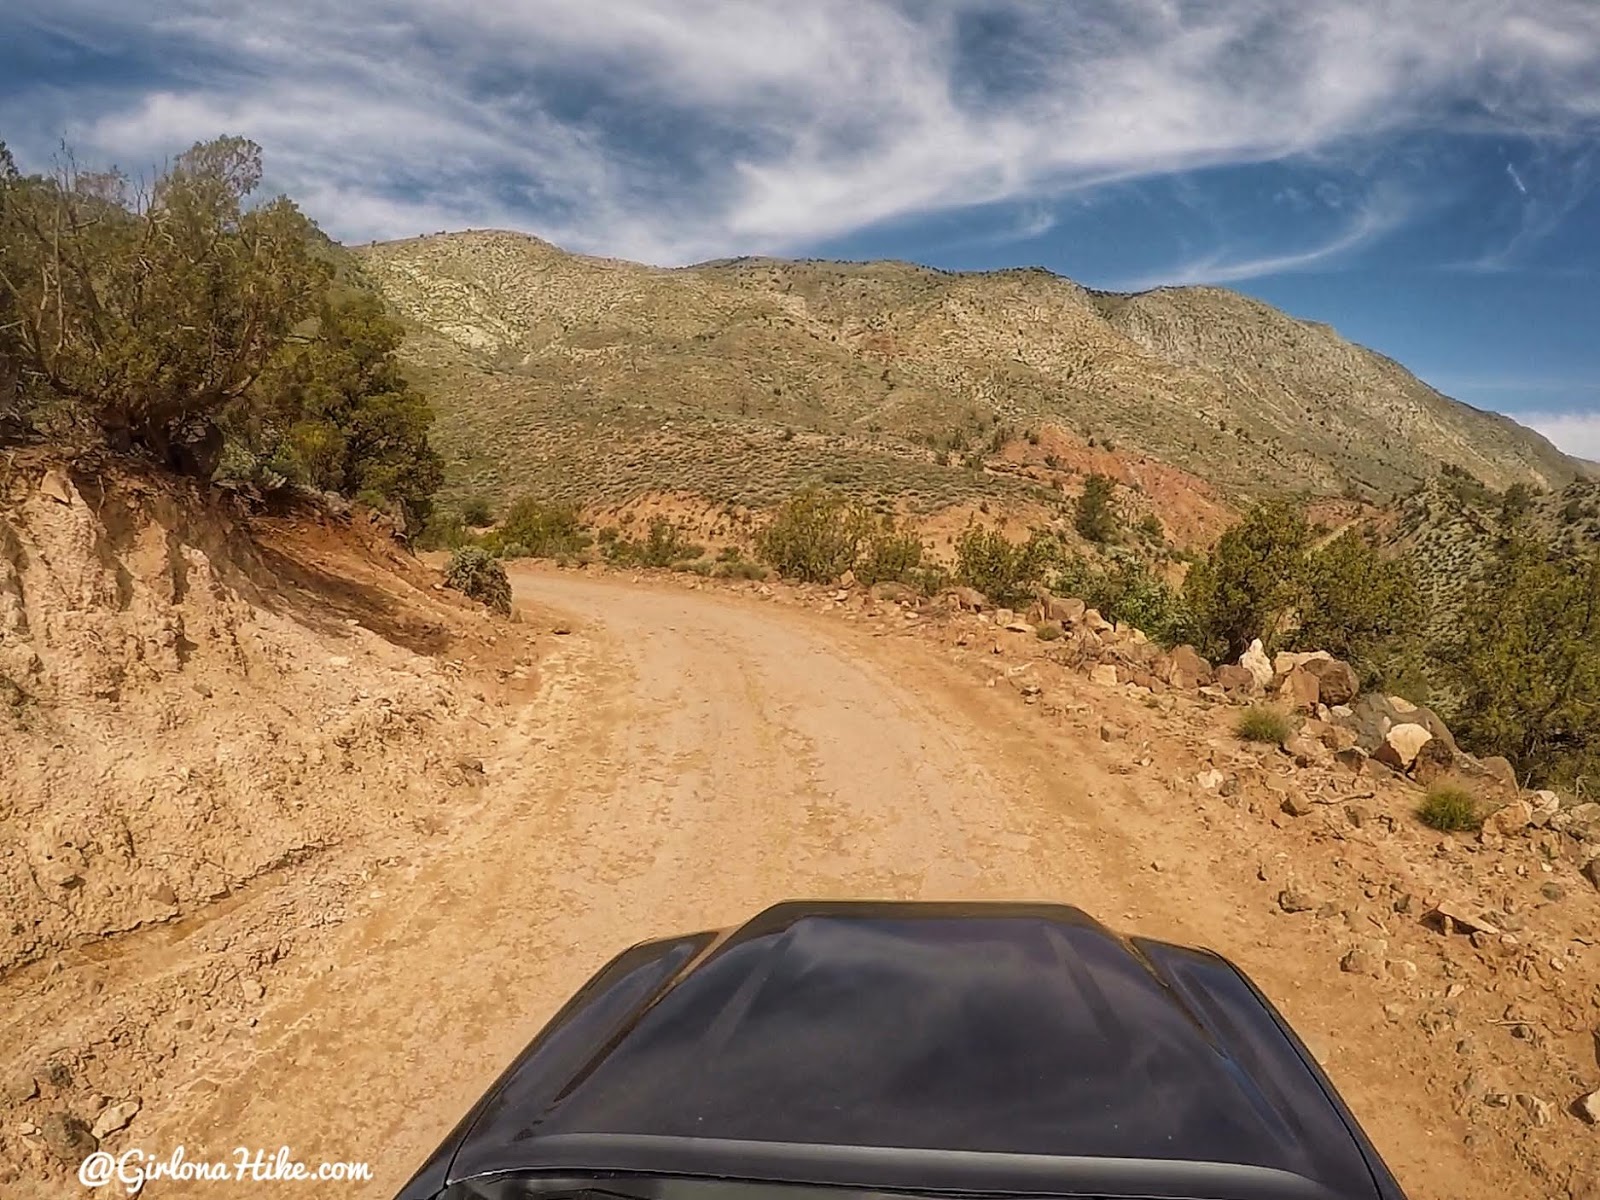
(698, 378)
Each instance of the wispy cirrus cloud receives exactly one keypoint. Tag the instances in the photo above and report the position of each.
(673, 130)
(1382, 214)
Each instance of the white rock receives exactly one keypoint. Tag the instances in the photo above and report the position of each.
(113, 1118)
(1255, 661)
(1402, 744)
(1588, 1107)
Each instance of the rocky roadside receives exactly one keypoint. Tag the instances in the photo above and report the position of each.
(1482, 943)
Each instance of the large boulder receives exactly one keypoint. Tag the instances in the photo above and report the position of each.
(1092, 619)
(1300, 690)
(967, 598)
(1068, 610)
(1186, 668)
(1401, 745)
(1233, 678)
(1337, 682)
(1372, 716)
(1434, 760)
(1287, 660)
(1255, 661)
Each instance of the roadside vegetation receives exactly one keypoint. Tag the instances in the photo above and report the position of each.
(187, 322)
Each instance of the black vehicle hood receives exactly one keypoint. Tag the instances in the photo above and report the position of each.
(1003, 1030)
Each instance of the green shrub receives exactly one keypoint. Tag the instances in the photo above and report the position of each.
(1126, 592)
(543, 529)
(1450, 808)
(476, 511)
(929, 579)
(1251, 584)
(474, 572)
(815, 536)
(1522, 661)
(1007, 572)
(443, 531)
(1357, 605)
(1047, 633)
(664, 545)
(892, 553)
(1095, 518)
(1263, 723)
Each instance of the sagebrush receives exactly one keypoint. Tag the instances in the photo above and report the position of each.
(475, 572)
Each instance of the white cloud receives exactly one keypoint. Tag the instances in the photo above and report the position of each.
(672, 130)
(1385, 213)
(1578, 433)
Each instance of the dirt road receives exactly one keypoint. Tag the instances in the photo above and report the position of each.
(691, 758)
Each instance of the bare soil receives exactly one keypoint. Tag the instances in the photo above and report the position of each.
(687, 755)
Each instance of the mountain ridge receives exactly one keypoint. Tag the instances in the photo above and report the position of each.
(889, 362)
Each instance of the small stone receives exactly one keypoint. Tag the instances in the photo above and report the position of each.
(115, 1117)
(338, 660)
(1296, 805)
(1591, 872)
(1351, 758)
(252, 989)
(1292, 901)
(1358, 814)
(1104, 674)
(1457, 915)
(1588, 1107)
(1552, 890)
(1305, 751)
(1539, 1111)
(1211, 780)
(67, 1137)
(1110, 732)
(1403, 969)
(1362, 960)
(1403, 903)
(20, 1089)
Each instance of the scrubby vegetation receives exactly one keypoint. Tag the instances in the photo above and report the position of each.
(1095, 517)
(475, 572)
(1450, 808)
(185, 322)
(665, 544)
(1521, 672)
(535, 528)
(1007, 572)
(1263, 723)
(1268, 578)
(815, 536)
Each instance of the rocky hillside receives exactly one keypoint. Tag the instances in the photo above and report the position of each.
(736, 380)
(1449, 526)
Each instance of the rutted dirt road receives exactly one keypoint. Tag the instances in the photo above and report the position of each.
(691, 758)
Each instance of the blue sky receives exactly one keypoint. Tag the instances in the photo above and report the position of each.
(1421, 175)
